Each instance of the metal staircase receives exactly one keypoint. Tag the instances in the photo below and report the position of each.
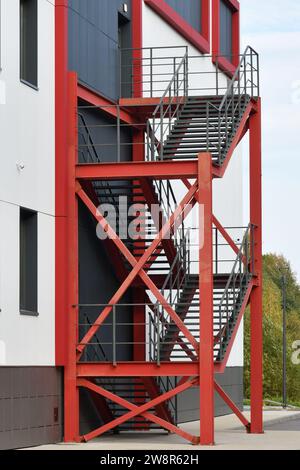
(199, 129)
(228, 296)
(181, 127)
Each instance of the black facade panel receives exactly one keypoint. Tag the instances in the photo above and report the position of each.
(94, 43)
(190, 10)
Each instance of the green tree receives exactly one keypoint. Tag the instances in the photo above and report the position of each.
(274, 267)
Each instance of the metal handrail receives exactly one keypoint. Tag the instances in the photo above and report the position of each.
(235, 75)
(237, 89)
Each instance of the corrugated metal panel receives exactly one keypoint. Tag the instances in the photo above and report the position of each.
(93, 43)
(29, 397)
(190, 10)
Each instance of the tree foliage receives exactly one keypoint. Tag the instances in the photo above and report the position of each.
(274, 267)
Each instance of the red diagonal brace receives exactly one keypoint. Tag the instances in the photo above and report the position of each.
(221, 229)
(227, 237)
(138, 410)
(182, 211)
(232, 406)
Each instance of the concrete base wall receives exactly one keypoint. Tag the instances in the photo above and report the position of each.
(31, 406)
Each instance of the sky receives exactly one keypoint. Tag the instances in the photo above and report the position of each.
(272, 27)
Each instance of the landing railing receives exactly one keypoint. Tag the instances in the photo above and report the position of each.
(149, 69)
(115, 335)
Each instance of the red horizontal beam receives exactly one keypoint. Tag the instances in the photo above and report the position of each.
(154, 101)
(138, 369)
(131, 170)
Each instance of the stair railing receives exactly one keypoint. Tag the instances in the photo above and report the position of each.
(235, 289)
(160, 124)
(176, 279)
(243, 85)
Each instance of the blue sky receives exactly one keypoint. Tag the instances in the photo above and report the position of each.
(272, 27)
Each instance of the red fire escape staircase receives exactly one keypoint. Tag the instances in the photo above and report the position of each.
(190, 318)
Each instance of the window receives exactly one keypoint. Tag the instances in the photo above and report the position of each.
(191, 18)
(28, 262)
(226, 34)
(28, 42)
(190, 11)
(225, 31)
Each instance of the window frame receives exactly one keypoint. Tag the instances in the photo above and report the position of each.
(22, 308)
(34, 86)
(200, 40)
(222, 62)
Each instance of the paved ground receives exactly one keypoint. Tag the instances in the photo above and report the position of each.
(282, 431)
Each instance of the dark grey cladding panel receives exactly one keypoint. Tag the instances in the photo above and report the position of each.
(93, 43)
(29, 398)
(103, 132)
(190, 10)
(231, 381)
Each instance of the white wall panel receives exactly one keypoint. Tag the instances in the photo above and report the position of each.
(27, 137)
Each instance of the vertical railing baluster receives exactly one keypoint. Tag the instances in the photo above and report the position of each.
(252, 75)
(217, 250)
(114, 336)
(118, 134)
(151, 72)
(161, 131)
(245, 75)
(217, 77)
(158, 337)
(207, 126)
(153, 139)
(148, 143)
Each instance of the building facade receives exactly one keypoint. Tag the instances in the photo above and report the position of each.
(106, 86)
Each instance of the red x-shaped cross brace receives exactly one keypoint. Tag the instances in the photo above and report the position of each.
(139, 410)
(183, 209)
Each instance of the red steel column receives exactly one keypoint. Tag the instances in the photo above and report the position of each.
(256, 348)
(137, 44)
(71, 396)
(61, 96)
(206, 361)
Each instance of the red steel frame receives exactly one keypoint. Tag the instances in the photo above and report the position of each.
(61, 172)
(200, 192)
(68, 190)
